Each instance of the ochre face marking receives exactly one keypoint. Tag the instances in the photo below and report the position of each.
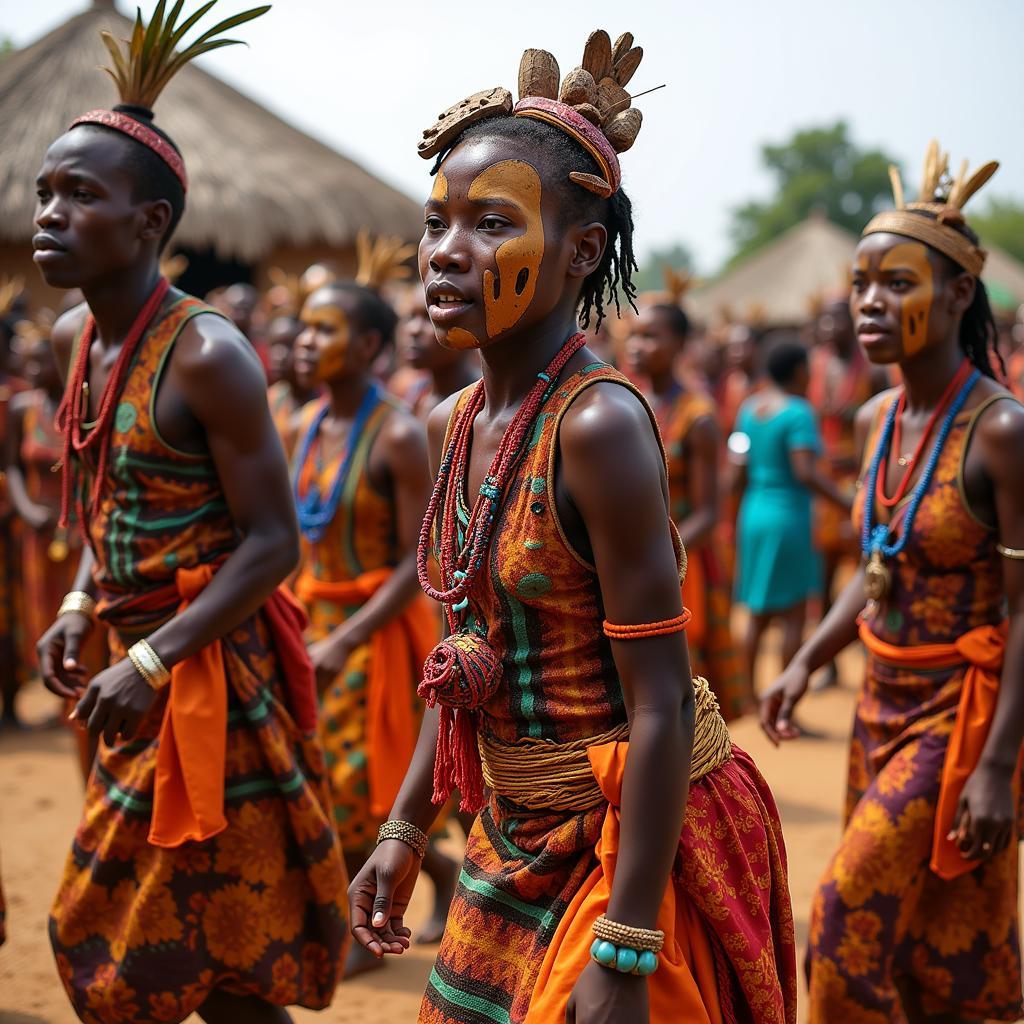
(509, 292)
(439, 193)
(332, 325)
(917, 300)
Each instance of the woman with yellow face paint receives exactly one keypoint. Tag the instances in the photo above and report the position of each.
(603, 876)
(360, 480)
(916, 917)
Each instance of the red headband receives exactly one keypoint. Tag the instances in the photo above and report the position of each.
(573, 123)
(140, 133)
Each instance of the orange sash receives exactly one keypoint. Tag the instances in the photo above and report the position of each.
(982, 650)
(188, 790)
(685, 986)
(397, 652)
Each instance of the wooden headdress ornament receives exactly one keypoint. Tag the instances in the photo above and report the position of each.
(144, 64)
(591, 105)
(944, 198)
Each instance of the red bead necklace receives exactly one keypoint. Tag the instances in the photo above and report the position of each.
(72, 411)
(461, 565)
(937, 414)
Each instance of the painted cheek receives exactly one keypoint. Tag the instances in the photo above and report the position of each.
(917, 303)
(462, 340)
(509, 292)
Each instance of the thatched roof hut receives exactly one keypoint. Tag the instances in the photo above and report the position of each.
(261, 192)
(781, 280)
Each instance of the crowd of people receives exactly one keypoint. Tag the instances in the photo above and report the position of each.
(322, 570)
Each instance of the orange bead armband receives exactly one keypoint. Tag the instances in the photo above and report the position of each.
(645, 629)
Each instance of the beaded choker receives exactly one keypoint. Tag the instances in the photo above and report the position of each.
(316, 513)
(874, 536)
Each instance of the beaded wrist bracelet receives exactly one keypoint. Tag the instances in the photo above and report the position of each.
(626, 949)
(405, 832)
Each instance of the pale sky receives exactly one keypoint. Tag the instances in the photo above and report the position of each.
(368, 77)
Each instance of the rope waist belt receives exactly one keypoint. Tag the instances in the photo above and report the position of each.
(542, 775)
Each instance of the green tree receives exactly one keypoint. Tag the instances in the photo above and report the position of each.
(6, 47)
(1001, 224)
(818, 168)
(649, 278)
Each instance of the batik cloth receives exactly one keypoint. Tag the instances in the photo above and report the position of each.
(143, 933)
(880, 915)
(707, 590)
(540, 602)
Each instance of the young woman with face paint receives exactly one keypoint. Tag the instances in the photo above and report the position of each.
(205, 869)
(552, 502)
(922, 894)
(361, 483)
(693, 444)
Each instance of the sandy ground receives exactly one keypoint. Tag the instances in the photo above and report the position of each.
(40, 799)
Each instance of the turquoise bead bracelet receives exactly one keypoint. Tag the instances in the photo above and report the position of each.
(623, 959)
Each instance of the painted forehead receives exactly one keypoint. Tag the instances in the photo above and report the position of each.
(887, 251)
(470, 164)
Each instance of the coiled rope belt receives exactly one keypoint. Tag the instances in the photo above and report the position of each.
(542, 775)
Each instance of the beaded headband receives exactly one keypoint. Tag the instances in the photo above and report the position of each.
(591, 106)
(144, 64)
(140, 133)
(944, 198)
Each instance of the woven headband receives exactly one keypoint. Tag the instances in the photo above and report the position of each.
(140, 132)
(588, 135)
(950, 242)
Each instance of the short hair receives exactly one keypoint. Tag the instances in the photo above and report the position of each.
(675, 317)
(372, 313)
(784, 360)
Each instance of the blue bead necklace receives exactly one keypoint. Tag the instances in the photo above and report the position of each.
(874, 538)
(315, 513)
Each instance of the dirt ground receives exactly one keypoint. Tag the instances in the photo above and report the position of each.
(40, 798)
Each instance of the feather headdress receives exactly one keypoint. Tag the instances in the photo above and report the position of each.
(144, 64)
(937, 216)
(382, 260)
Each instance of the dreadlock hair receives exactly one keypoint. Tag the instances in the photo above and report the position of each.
(370, 312)
(979, 336)
(152, 178)
(562, 155)
(675, 317)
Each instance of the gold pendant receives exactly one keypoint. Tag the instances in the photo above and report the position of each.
(877, 577)
(58, 550)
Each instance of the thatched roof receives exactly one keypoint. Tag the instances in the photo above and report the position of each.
(781, 280)
(255, 182)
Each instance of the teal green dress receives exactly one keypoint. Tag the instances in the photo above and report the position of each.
(777, 565)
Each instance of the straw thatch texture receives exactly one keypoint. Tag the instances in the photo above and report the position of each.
(256, 183)
(782, 279)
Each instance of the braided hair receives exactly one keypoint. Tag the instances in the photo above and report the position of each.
(979, 336)
(612, 280)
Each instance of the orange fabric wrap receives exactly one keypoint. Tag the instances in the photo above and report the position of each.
(685, 986)
(397, 652)
(695, 599)
(188, 791)
(982, 650)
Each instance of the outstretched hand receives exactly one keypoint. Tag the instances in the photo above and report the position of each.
(379, 897)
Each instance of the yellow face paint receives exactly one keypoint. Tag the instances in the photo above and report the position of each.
(439, 193)
(509, 292)
(917, 300)
(332, 329)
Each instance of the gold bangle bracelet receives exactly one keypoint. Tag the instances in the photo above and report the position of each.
(148, 664)
(405, 832)
(1015, 553)
(77, 601)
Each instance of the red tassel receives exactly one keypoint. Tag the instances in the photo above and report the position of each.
(457, 764)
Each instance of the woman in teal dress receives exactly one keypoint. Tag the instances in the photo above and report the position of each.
(777, 444)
